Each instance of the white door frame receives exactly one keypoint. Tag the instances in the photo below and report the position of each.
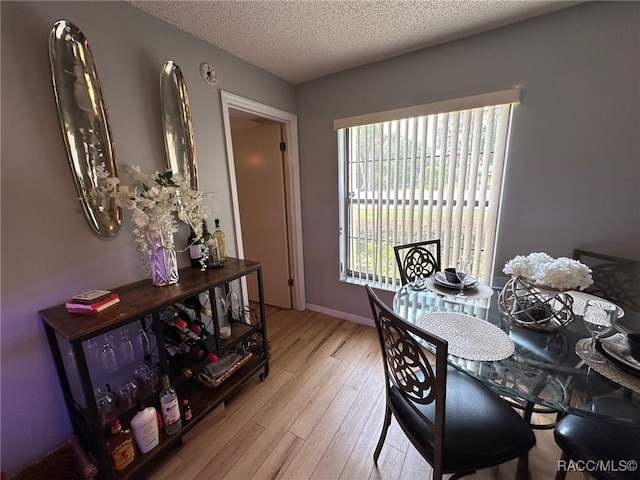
(292, 184)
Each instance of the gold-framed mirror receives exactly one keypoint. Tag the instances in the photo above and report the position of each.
(85, 122)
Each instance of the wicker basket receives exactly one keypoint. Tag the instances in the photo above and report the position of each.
(529, 306)
(215, 373)
(67, 462)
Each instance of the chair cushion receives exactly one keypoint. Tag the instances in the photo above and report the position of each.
(584, 438)
(481, 429)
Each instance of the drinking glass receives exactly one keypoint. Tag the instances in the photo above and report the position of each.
(148, 377)
(92, 352)
(106, 403)
(599, 317)
(125, 348)
(462, 269)
(70, 362)
(127, 394)
(142, 347)
(108, 356)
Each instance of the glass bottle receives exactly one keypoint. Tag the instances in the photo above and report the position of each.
(223, 317)
(235, 307)
(170, 407)
(186, 410)
(215, 259)
(219, 236)
(195, 247)
(120, 446)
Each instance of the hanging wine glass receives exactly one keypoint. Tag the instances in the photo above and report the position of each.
(108, 356)
(142, 347)
(125, 348)
(92, 352)
(70, 361)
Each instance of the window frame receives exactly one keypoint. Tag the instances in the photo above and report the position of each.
(509, 97)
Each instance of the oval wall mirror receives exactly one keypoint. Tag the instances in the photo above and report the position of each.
(84, 121)
(176, 122)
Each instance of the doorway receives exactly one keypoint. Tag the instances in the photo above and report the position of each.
(264, 183)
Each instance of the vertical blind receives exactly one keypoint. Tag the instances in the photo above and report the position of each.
(420, 178)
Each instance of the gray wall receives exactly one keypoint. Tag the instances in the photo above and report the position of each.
(573, 173)
(573, 177)
(48, 250)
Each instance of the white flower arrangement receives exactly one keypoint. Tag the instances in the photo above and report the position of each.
(152, 207)
(554, 273)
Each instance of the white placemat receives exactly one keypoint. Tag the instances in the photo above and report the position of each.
(580, 302)
(469, 337)
(608, 368)
(481, 291)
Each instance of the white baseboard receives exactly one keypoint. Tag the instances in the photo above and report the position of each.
(341, 315)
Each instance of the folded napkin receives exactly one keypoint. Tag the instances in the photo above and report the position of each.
(214, 373)
(619, 345)
(468, 280)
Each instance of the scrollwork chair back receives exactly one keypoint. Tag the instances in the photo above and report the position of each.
(614, 278)
(417, 260)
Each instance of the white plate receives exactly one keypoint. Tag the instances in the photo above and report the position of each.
(617, 356)
(441, 279)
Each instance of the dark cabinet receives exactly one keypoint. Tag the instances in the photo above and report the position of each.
(88, 385)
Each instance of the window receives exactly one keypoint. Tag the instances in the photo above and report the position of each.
(420, 173)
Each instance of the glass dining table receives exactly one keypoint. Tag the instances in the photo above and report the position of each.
(542, 370)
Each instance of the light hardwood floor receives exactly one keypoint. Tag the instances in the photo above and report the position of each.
(318, 415)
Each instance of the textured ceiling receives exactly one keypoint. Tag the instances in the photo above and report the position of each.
(300, 40)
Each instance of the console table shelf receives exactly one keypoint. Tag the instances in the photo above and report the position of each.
(141, 305)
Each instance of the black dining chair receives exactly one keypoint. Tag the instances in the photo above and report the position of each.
(455, 422)
(417, 260)
(614, 278)
(588, 439)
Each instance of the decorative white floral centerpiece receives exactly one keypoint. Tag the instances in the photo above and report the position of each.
(154, 206)
(551, 273)
(535, 297)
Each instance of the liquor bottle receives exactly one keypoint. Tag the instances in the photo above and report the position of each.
(197, 326)
(120, 446)
(184, 329)
(186, 410)
(195, 251)
(145, 428)
(170, 407)
(215, 259)
(219, 236)
(204, 332)
(177, 331)
(173, 335)
(194, 303)
(184, 346)
(196, 352)
(175, 358)
(195, 246)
